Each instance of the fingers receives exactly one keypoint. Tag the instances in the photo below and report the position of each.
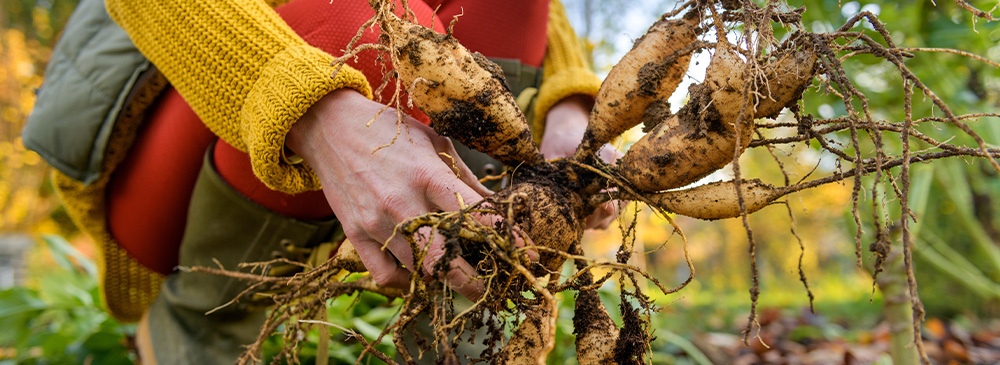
(444, 145)
(460, 276)
(440, 187)
(382, 266)
(442, 194)
(609, 154)
(386, 270)
(372, 193)
(520, 237)
(607, 212)
(463, 278)
(442, 190)
(602, 216)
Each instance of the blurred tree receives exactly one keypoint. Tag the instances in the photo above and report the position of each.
(28, 30)
(39, 20)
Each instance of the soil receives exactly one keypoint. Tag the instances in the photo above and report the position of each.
(412, 52)
(663, 160)
(701, 113)
(492, 68)
(633, 340)
(656, 113)
(554, 216)
(556, 195)
(650, 76)
(591, 321)
(464, 118)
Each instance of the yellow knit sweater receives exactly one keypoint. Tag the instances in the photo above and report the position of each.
(250, 77)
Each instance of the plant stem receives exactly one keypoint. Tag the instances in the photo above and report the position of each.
(323, 345)
(898, 312)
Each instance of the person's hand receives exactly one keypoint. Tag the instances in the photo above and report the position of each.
(564, 127)
(372, 192)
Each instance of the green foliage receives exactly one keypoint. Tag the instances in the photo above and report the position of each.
(966, 84)
(62, 320)
(957, 239)
(367, 314)
(956, 230)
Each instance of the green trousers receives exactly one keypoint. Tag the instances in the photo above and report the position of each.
(224, 228)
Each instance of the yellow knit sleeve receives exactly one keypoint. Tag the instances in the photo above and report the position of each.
(246, 74)
(565, 70)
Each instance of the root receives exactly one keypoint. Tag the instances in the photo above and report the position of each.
(988, 15)
(791, 219)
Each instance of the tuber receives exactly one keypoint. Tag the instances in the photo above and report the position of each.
(646, 76)
(464, 94)
(703, 136)
(717, 200)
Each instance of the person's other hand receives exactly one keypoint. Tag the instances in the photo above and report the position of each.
(565, 125)
(372, 192)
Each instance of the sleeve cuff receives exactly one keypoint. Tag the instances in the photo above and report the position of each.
(566, 82)
(288, 86)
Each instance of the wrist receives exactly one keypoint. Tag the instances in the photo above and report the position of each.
(569, 116)
(565, 125)
(307, 136)
(573, 106)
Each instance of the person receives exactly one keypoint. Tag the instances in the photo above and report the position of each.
(235, 144)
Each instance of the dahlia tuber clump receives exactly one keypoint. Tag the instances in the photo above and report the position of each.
(751, 78)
